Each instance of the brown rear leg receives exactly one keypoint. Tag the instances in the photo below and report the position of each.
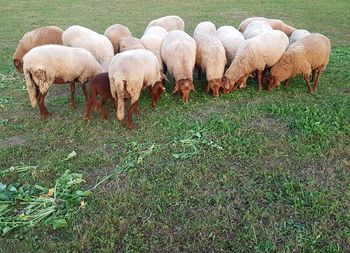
(44, 113)
(260, 80)
(286, 83)
(104, 113)
(306, 78)
(313, 78)
(72, 92)
(318, 79)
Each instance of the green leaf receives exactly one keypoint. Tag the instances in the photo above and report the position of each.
(70, 156)
(2, 186)
(59, 223)
(5, 230)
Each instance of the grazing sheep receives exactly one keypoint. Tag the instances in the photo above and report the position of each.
(55, 64)
(38, 37)
(297, 35)
(157, 30)
(130, 43)
(98, 45)
(231, 38)
(114, 33)
(255, 28)
(255, 54)
(204, 27)
(276, 24)
(310, 53)
(129, 73)
(153, 43)
(169, 23)
(179, 55)
(99, 85)
(211, 59)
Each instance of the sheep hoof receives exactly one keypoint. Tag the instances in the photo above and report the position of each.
(72, 106)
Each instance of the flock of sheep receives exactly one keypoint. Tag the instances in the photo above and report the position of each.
(119, 65)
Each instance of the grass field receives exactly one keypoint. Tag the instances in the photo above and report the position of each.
(279, 183)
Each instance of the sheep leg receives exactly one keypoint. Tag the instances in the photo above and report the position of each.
(306, 78)
(72, 92)
(313, 76)
(114, 104)
(103, 108)
(88, 110)
(44, 113)
(83, 86)
(260, 79)
(129, 123)
(137, 107)
(318, 79)
(286, 83)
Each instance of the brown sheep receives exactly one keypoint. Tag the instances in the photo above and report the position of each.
(38, 37)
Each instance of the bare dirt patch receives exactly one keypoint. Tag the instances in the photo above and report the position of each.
(13, 142)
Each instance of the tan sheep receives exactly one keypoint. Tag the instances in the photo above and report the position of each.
(179, 55)
(297, 35)
(310, 53)
(275, 23)
(157, 30)
(231, 38)
(115, 32)
(169, 23)
(97, 44)
(153, 43)
(129, 73)
(38, 37)
(211, 59)
(255, 28)
(204, 27)
(56, 64)
(255, 54)
(130, 43)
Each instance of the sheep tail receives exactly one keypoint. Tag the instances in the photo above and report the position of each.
(32, 88)
(121, 103)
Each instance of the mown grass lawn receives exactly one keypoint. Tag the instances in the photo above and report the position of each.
(279, 183)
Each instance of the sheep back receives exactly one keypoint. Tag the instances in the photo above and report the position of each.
(114, 33)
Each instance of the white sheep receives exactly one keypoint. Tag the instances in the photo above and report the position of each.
(99, 45)
(115, 32)
(38, 37)
(297, 35)
(256, 53)
(56, 64)
(275, 23)
(231, 38)
(211, 59)
(153, 43)
(169, 23)
(157, 30)
(255, 28)
(309, 54)
(129, 73)
(129, 43)
(204, 27)
(179, 54)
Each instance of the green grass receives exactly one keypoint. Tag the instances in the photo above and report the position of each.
(280, 184)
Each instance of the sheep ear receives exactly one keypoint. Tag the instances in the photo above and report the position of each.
(192, 87)
(176, 88)
(208, 86)
(164, 76)
(16, 62)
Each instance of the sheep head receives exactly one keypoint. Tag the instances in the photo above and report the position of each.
(214, 85)
(156, 91)
(184, 86)
(18, 64)
(272, 82)
(228, 85)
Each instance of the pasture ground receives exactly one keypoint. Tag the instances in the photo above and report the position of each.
(279, 184)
